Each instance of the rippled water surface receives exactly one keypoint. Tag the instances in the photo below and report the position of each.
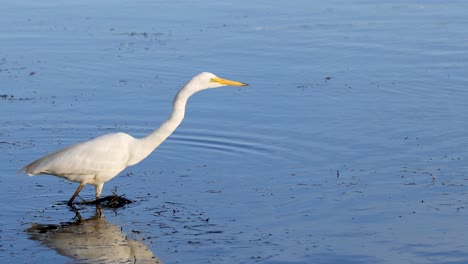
(349, 145)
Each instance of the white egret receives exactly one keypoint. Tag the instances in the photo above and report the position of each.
(100, 159)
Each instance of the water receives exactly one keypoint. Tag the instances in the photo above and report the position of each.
(349, 145)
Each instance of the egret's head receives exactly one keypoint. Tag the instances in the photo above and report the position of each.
(207, 80)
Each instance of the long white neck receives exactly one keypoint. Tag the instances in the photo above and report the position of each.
(144, 146)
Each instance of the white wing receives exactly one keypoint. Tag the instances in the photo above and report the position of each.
(106, 155)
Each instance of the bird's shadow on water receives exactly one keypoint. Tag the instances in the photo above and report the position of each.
(91, 240)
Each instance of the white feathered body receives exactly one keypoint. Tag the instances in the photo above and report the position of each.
(95, 161)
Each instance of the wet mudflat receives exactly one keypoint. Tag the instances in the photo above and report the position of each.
(349, 145)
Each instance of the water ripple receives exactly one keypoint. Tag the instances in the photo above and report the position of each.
(236, 144)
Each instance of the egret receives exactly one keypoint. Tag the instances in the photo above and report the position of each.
(98, 160)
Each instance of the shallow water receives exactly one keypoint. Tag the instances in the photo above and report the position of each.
(349, 145)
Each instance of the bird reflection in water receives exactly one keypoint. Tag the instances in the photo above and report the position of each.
(93, 240)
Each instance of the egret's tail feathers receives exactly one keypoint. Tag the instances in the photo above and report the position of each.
(29, 169)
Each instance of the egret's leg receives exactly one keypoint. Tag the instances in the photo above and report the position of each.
(76, 193)
(98, 211)
(99, 190)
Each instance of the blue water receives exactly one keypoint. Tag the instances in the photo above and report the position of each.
(349, 145)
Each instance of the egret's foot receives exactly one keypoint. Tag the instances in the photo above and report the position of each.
(77, 213)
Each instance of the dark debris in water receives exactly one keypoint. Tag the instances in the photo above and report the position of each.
(12, 97)
(304, 86)
(113, 201)
(7, 96)
(41, 229)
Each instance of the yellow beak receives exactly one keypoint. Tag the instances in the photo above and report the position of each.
(227, 82)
